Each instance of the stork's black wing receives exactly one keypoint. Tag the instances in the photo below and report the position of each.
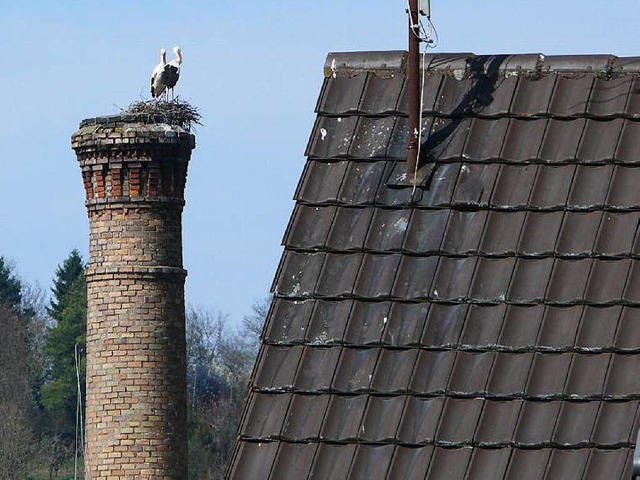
(170, 75)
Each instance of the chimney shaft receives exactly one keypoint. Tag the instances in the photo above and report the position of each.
(134, 173)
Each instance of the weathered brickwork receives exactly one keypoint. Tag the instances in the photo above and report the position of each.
(134, 172)
(136, 236)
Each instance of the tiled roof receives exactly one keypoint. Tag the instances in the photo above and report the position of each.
(485, 324)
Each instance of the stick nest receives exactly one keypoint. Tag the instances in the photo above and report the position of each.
(174, 112)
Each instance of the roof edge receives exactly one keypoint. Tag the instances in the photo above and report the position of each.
(461, 64)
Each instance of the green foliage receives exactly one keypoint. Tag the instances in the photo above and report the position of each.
(66, 275)
(10, 287)
(69, 312)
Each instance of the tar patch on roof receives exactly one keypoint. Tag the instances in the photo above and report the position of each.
(484, 324)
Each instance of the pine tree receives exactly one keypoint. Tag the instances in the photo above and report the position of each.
(66, 274)
(69, 311)
(10, 287)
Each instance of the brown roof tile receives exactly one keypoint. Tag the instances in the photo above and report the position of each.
(304, 417)
(331, 461)
(277, 367)
(376, 276)
(540, 232)
(609, 96)
(497, 424)
(489, 463)
(341, 95)
(485, 139)
(441, 186)
(600, 140)
(569, 464)
(432, 371)
(338, 275)
(361, 183)
(343, 419)
(551, 187)
(578, 233)
(521, 327)
(289, 321)
(464, 231)
(366, 323)
(355, 370)
(382, 419)
(449, 463)
(513, 186)
(509, 374)
(536, 423)
(590, 187)
(349, 229)
(420, 420)
(425, 232)
(561, 140)
(320, 182)
(257, 461)
(532, 96)
(328, 322)
(317, 369)
(405, 324)
(371, 461)
(570, 96)
(393, 371)
(559, 328)
(381, 94)
(294, 460)
(410, 463)
(628, 335)
(371, 138)
(629, 143)
(444, 325)
(606, 464)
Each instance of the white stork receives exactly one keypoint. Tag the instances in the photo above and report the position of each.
(172, 70)
(158, 83)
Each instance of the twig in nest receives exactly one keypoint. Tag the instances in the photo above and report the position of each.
(175, 112)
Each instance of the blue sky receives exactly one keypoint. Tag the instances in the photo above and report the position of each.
(254, 68)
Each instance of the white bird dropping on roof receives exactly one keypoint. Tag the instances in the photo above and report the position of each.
(157, 81)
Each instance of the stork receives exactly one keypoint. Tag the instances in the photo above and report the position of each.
(158, 82)
(172, 70)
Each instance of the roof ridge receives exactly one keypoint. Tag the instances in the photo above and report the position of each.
(461, 65)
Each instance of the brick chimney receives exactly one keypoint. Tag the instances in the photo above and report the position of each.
(134, 170)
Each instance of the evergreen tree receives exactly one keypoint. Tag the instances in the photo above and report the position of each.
(69, 312)
(66, 275)
(10, 287)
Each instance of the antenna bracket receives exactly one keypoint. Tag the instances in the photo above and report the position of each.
(424, 7)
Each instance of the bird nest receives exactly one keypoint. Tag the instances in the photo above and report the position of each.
(173, 112)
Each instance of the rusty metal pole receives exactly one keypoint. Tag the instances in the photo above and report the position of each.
(413, 86)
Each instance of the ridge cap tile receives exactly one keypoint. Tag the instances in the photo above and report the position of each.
(578, 63)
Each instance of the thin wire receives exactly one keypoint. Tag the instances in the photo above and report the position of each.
(423, 35)
(424, 76)
(433, 32)
(79, 424)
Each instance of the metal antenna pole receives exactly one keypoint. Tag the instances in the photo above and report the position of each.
(413, 86)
